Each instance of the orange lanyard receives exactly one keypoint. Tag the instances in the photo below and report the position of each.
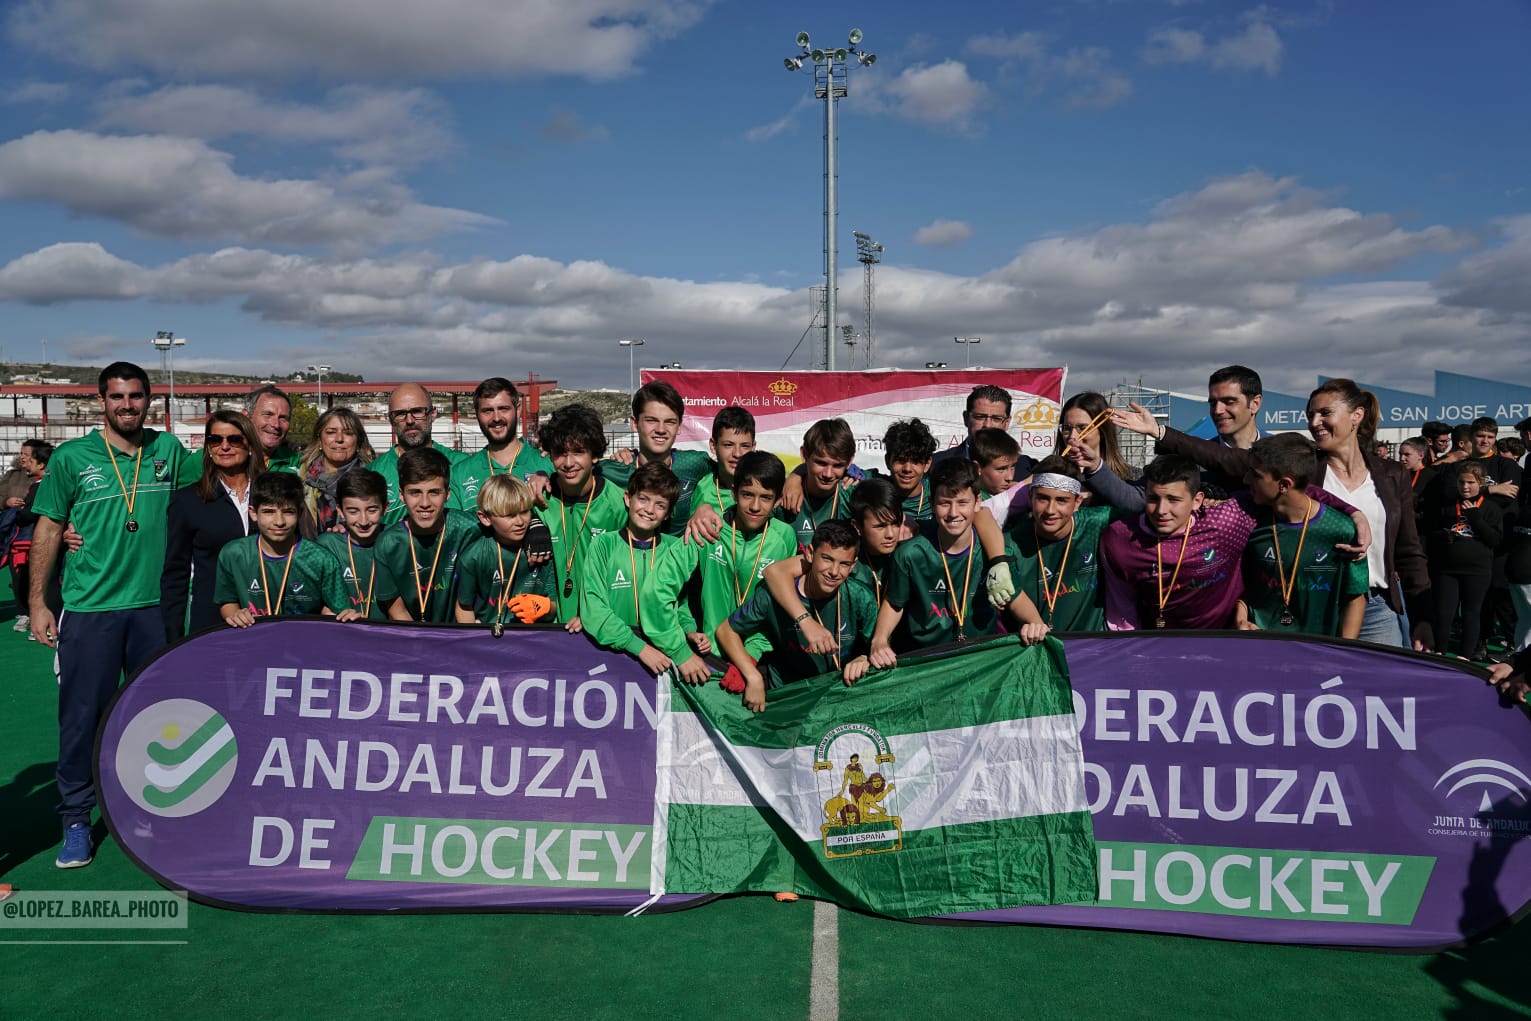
(265, 586)
(1052, 594)
(733, 556)
(131, 499)
(632, 561)
(424, 594)
(573, 540)
(515, 565)
(509, 467)
(366, 601)
(960, 612)
(1164, 597)
(1288, 586)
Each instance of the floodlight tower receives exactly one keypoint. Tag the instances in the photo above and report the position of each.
(869, 254)
(829, 84)
(165, 342)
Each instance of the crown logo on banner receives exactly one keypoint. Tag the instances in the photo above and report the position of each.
(1040, 414)
(783, 387)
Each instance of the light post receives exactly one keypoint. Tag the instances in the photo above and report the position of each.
(829, 84)
(165, 341)
(935, 365)
(319, 370)
(632, 379)
(967, 348)
(869, 254)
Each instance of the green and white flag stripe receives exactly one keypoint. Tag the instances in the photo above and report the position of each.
(954, 780)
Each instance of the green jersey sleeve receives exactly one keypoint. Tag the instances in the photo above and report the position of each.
(661, 602)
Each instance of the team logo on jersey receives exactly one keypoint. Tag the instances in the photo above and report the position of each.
(940, 585)
(1210, 555)
(346, 575)
(254, 585)
(859, 813)
(620, 580)
(470, 485)
(161, 467)
(92, 477)
(1320, 557)
(1270, 556)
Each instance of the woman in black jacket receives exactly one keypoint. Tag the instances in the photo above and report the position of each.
(203, 518)
(1462, 557)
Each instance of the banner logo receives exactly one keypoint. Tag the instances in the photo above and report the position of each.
(177, 757)
(856, 819)
(1487, 773)
(783, 387)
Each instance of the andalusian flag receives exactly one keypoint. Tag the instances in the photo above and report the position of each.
(952, 783)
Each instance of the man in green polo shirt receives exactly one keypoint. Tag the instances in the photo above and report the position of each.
(270, 409)
(411, 413)
(497, 406)
(114, 487)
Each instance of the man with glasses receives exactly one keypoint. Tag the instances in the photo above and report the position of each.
(988, 407)
(411, 413)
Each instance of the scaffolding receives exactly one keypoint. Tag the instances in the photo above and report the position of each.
(1137, 449)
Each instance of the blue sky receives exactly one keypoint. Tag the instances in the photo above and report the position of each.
(473, 187)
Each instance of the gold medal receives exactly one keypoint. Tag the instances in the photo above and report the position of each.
(1287, 619)
(131, 526)
(498, 630)
(1160, 621)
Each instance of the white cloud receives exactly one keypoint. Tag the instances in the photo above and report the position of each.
(1240, 269)
(37, 92)
(1257, 48)
(765, 132)
(937, 95)
(384, 39)
(1082, 76)
(943, 233)
(398, 127)
(180, 188)
(1495, 281)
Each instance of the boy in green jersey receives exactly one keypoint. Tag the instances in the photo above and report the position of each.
(994, 453)
(418, 556)
(273, 572)
(411, 413)
(721, 574)
(497, 583)
(657, 413)
(846, 612)
(581, 504)
(1057, 546)
(497, 406)
(877, 513)
(619, 564)
(733, 436)
(827, 450)
(362, 495)
(1294, 580)
(907, 450)
(936, 585)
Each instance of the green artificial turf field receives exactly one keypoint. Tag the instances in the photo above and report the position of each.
(745, 956)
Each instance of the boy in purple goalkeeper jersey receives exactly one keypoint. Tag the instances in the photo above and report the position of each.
(1177, 566)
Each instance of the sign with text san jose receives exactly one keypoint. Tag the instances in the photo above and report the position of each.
(1241, 786)
(1255, 788)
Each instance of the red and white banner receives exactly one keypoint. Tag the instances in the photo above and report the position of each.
(785, 404)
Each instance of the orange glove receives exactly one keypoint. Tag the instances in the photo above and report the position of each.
(529, 608)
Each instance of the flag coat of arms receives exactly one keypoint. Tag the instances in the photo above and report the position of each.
(954, 782)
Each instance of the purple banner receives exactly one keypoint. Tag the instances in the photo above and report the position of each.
(1254, 788)
(302, 764)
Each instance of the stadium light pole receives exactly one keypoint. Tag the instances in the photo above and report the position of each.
(632, 379)
(165, 341)
(829, 84)
(319, 370)
(967, 348)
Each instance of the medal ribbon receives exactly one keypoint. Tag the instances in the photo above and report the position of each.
(632, 560)
(1052, 594)
(366, 601)
(129, 499)
(1164, 597)
(265, 586)
(951, 590)
(515, 565)
(1288, 586)
(424, 594)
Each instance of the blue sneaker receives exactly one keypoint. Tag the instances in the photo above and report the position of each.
(77, 851)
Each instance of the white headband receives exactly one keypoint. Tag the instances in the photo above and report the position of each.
(1049, 480)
